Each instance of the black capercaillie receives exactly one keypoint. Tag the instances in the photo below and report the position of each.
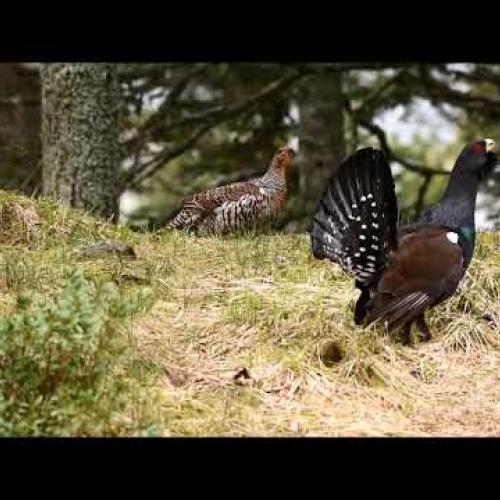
(401, 271)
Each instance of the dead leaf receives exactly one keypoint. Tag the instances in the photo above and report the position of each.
(29, 215)
(63, 229)
(243, 377)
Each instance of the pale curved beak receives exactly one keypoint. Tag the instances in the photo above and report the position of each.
(490, 145)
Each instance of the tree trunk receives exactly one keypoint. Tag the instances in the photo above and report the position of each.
(20, 116)
(321, 136)
(80, 136)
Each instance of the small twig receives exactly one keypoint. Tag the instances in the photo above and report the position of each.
(421, 195)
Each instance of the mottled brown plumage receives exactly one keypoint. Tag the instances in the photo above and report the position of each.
(242, 204)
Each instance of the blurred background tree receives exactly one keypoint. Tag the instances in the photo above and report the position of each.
(20, 151)
(185, 127)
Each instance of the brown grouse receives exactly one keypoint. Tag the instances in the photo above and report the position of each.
(239, 205)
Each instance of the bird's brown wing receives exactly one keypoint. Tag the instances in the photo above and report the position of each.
(424, 270)
(212, 198)
(194, 209)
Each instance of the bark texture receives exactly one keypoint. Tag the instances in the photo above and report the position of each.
(321, 134)
(80, 136)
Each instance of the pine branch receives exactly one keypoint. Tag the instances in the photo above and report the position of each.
(155, 122)
(206, 121)
(419, 204)
(391, 156)
(428, 87)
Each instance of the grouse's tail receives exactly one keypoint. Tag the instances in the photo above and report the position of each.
(176, 219)
(186, 216)
(355, 222)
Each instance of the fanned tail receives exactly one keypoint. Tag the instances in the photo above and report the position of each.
(355, 222)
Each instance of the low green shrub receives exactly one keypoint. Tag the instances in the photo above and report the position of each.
(58, 359)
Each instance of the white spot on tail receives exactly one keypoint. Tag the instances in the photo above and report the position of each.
(363, 226)
(453, 237)
(362, 237)
(370, 196)
(328, 238)
(363, 198)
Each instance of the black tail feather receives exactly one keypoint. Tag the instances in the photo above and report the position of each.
(355, 222)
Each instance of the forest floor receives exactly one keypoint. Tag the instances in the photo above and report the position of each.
(251, 336)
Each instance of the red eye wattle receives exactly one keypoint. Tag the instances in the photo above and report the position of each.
(477, 149)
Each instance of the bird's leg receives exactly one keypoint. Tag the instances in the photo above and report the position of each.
(424, 329)
(360, 309)
(406, 334)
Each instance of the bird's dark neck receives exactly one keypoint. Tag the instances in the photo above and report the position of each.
(456, 210)
(457, 206)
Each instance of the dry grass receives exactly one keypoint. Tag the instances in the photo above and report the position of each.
(252, 336)
(19, 222)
